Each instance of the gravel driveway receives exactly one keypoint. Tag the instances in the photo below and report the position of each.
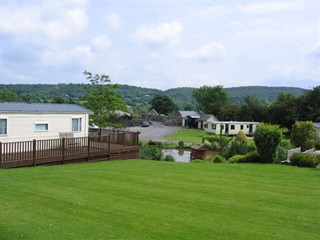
(156, 131)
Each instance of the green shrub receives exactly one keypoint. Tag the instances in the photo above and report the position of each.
(236, 147)
(267, 138)
(317, 144)
(151, 152)
(251, 157)
(219, 159)
(236, 158)
(304, 160)
(181, 143)
(241, 136)
(154, 143)
(217, 141)
(303, 135)
(168, 158)
(282, 151)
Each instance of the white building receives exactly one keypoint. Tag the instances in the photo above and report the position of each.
(317, 127)
(28, 121)
(230, 127)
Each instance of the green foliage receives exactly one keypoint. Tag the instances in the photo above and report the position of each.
(168, 158)
(309, 105)
(8, 96)
(282, 151)
(219, 159)
(236, 147)
(217, 142)
(210, 99)
(253, 110)
(303, 135)
(267, 138)
(181, 143)
(163, 104)
(198, 161)
(235, 158)
(252, 157)
(241, 136)
(102, 99)
(151, 153)
(304, 160)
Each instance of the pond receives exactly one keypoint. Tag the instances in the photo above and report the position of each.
(180, 155)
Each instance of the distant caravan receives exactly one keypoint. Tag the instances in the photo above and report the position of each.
(230, 128)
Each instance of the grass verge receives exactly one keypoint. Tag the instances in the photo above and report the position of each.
(187, 135)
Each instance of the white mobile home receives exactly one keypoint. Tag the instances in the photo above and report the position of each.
(230, 127)
(28, 121)
(317, 127)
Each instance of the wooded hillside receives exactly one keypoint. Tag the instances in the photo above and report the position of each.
(139, 98)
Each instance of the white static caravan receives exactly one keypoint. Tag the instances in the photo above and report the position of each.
(230, 127)
(28, 121)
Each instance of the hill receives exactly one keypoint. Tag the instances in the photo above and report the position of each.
(139, 98)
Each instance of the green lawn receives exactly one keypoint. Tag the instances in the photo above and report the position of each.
(140, 199)
(187, 135)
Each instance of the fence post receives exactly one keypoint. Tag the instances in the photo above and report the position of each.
(88, 148)
(63, 149)
(34, 151)
(109, 145)
(0, 154)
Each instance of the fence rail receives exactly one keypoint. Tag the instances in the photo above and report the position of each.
(119, 145)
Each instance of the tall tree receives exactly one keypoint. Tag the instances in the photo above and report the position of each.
(253, 110)
(102, 99)
(210, 99)
(8, 96)
(284, 110)
(309, 105)
(163, 104)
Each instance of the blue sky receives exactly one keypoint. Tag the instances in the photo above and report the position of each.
(162, 44)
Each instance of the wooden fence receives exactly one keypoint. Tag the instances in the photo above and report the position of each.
(120, 145)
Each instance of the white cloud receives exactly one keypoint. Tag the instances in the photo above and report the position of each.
(42, 22)
(163, 34)
(114, 21)
(101, 42)
(210, 52)
(81, 54)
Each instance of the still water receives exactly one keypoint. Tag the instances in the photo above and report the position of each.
(180, 155)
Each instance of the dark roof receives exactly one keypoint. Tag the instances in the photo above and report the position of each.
(188, 113)
(17, 107)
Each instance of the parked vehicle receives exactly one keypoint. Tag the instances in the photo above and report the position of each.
(145, 123)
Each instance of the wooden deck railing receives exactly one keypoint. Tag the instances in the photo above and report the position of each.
(120, 145)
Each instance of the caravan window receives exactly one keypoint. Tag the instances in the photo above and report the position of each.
(213, 126)
(76, 124)
(241, 127)
(41, 127)
(232, 127)
(3, 126)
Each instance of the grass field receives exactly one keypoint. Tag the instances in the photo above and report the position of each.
(187, 135)
(140, 199)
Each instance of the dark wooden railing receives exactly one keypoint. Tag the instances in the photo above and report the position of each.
(119, 145)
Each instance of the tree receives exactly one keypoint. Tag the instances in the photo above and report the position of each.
(102, 99)
(210, 99)
(309, 105)
(8, 96)
(163, 104)
(267, 137)
(253, 110)
(58, 99)
(303, 135)
(284, 110)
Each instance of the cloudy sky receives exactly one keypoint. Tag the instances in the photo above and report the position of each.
(162, 44)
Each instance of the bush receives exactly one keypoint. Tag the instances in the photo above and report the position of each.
(304, 160)
(236, 147)
(151, 152)
(252, 157)
(168, 158)
(217, 141)
(267, 138)
(282, 151)
(181, 143)
(219, 159)
(236, 158)
(303, 135)
(154, 143)
(241, 136)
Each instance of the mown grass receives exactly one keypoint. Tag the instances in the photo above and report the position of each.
(187, 135)
(139, 199)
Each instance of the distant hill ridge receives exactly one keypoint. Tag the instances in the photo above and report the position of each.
(139, 97)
